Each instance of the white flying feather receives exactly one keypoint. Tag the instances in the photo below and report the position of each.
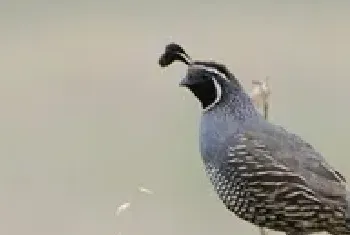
(145, 190)
(123, 207)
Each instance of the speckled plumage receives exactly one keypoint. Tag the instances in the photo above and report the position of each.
(263, 173)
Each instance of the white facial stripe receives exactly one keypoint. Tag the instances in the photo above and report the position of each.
(211, 70)
(185, 57)
(216, 84)
(218, 95)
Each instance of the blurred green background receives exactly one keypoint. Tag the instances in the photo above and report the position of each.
(87, 115)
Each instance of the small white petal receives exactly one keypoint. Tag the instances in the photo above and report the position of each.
(122, 208)
(145, 190)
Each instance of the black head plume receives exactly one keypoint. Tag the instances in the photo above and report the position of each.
(173, 52)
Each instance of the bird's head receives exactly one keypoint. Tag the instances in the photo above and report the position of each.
(209, 81)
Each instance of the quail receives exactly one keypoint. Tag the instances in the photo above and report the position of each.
(262, 173)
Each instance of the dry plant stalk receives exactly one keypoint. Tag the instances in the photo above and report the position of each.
(260, 94)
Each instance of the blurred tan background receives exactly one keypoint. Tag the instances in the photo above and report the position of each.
(87, 115)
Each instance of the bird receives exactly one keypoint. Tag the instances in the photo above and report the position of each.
(263, 173)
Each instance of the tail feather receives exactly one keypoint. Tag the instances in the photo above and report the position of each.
(347, 211)
(339, 223)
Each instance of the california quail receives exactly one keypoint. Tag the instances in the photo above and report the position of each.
(262, 173)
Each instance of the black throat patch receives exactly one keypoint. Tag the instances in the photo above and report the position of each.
(205, 92)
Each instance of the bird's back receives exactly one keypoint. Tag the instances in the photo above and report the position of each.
(293, 152)
(273, 178)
